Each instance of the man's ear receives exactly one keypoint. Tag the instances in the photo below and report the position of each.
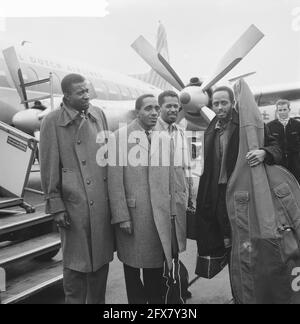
(66, 96)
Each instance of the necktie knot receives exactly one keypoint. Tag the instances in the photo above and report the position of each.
(171, 128)
(148, 136)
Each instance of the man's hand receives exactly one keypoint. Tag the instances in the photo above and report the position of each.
(256, 157)
(62, 220)
(127, 227)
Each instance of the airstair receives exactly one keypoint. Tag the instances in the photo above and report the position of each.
(29, 241)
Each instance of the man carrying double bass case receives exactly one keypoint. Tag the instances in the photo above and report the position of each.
(221, 148)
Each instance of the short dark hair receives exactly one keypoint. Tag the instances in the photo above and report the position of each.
(226, 89)
(283, 102)
(167, 93)
(69, 80)
(140, 99)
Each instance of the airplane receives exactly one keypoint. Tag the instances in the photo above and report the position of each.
(115, 93)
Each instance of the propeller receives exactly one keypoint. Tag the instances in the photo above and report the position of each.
(242, 76)
(157, 62)
(194, 97)
(235, 54)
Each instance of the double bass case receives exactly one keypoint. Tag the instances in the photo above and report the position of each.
(264, 209)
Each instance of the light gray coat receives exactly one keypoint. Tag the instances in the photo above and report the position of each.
(141, 194)
(74, 182)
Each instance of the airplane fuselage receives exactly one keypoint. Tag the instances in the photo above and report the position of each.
(109, 88)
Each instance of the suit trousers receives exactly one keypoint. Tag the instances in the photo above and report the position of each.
(147, 291)
(85, 288)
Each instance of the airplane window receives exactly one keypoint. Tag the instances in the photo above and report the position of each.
(133, 93)
(101, 90)
(92, 90)
(125, 92)
(136, 93)
(139, 92)
(56, 83)
(114, 91)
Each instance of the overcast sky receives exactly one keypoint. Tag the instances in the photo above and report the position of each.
(199, 32)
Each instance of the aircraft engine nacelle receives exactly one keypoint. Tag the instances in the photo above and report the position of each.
(193, 99)
(7, 112)
(28, 120)
(195, 104)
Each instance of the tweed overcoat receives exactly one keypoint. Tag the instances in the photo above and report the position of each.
(73, 182)
(141, 194)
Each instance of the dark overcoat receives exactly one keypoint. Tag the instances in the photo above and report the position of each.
(289, 140)
(209, 234)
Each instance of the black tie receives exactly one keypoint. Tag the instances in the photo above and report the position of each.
(148, 136)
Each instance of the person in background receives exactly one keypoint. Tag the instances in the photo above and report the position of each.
(287, 131)
(38, 105)
(180, 175)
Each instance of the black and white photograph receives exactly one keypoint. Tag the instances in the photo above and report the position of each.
(150, 154)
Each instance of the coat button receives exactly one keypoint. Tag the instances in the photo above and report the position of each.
(78, 142)
(83, 162)
(92, 203)
(88, 182)
(105, 179)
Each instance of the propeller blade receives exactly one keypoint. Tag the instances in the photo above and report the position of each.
(242, 76)
(157, 62)
(207, 114)
(236, 53)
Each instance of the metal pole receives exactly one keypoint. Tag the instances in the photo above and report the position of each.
(51, 91)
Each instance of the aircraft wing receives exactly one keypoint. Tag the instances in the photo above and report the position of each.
(267, 96)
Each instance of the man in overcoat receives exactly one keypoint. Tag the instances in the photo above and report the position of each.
(75, 188)
(180, 174)
(287, 131)
(221, 145)
(140, 202)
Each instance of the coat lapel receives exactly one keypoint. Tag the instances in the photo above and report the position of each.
(140, 137)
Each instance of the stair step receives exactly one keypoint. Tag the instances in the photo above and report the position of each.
(26, 285)
(6, 202)
(16, 222)
(29, 249)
